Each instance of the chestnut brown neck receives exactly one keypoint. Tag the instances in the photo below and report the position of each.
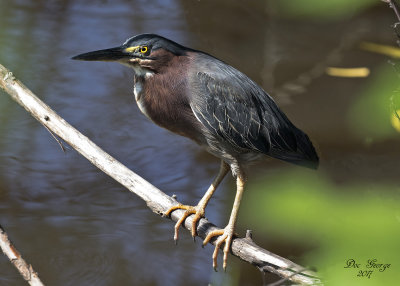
(162, 95)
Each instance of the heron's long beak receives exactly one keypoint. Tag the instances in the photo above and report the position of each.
(111, 55)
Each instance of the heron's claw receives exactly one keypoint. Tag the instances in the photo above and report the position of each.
(198, 212)
(225, 236)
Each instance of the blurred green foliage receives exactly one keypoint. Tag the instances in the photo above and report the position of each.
(324, 10)
(340, 222)
(371, 113)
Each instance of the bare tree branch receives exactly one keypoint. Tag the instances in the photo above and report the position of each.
(155, 199)
(16, 259)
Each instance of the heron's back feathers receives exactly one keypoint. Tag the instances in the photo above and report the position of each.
(236, 110)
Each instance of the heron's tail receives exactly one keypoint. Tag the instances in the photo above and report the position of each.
(304, 155)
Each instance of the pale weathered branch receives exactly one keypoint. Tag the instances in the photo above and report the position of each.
(155, 199)
(16, 259)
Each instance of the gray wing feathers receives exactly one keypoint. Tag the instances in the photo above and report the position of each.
(234, 108)
(226, 112)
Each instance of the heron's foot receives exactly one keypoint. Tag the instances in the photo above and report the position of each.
(225, 237)
(198, 212)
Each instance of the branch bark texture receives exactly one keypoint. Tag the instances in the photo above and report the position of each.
(155, 199)
(16, 259)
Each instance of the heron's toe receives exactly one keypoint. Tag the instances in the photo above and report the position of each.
(225, 237)
(189, 210)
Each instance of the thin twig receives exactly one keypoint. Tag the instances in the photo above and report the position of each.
(155, 199)
(63, 148)
(396, 8)
(393, 4)
(16, 259)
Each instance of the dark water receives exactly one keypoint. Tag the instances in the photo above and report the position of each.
(79, 227)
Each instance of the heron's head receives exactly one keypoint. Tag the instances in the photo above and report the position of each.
(146, 53)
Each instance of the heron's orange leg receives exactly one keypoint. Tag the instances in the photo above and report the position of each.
(198, 210)
(226, 234)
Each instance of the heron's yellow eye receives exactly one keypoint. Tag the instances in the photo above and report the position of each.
(143, 49)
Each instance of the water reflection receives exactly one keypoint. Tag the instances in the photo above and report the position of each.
(77, 226)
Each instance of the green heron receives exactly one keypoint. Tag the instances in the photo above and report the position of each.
(198, 96)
